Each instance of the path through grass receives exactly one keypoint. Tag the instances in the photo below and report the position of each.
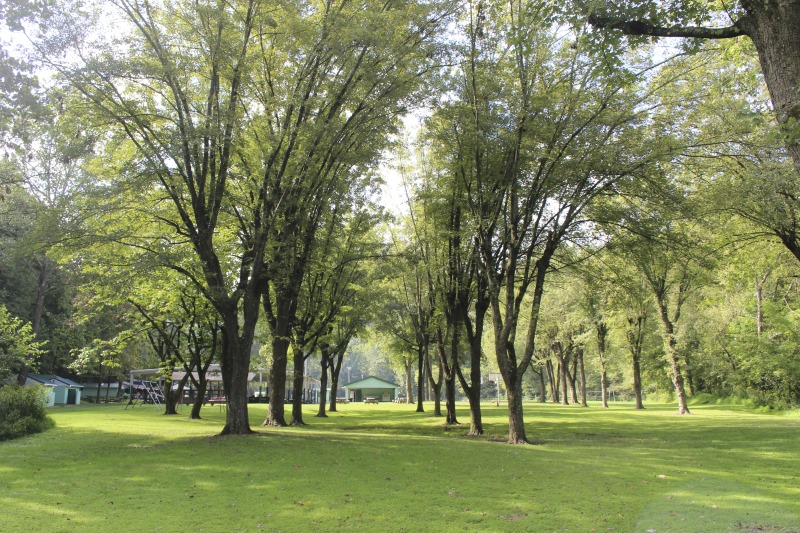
(386, 468)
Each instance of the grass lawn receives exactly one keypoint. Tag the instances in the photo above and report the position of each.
(385, 468)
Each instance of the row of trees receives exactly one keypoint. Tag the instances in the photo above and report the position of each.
(208, 172)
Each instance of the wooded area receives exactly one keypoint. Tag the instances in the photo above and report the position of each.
(589, 204)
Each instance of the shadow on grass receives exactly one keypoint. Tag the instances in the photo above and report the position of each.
(391, 468)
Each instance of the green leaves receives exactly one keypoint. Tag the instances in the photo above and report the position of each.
(18, 345)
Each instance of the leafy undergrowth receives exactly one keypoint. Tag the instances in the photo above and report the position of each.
(385, 467)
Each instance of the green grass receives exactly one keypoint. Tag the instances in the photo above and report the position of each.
(386, 468)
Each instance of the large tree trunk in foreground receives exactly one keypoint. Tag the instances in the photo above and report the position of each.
(234, 368)
(774, 27)
(516, 421)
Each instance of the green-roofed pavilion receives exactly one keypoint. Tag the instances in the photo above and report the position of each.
(372, 387)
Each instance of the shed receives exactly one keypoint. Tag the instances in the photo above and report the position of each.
(64, 390)
(371, 387)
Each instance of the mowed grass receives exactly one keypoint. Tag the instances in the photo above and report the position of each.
(386, 468)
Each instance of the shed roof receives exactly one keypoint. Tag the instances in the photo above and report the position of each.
(52, 379)
(371, 382)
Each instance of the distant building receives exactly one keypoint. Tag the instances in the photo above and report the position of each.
(372, 388)
(63, 391)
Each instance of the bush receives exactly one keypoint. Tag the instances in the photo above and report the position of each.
(22, 411)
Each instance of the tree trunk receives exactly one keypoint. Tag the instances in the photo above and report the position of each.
(602, 333)
(637, 379)
(773, 26)
(201, 386)
(450, 397)
(562, 376)
(277, 377)
(324, 363)
(99, 380)
(552, 376)
(671, 348)
(335, 370)
(516, 422)
(435, 384)
(635, 337)
(579, 354)
(235, 366)
(409, 382)
(298, 382)
(542, 387)
(475, 418)
(420, 378)
(572, 377)
(173, 398)
(604, 383)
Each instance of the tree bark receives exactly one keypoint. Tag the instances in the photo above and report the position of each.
(602, 332)
(235, 366)
(172, 396)
(99, 381)
(298, 383)
(200, 386)
(635, 336)
(420, 378)
(325, 364)
(277, 380)
(579, 354)
(542, 387)
(449, 382)
(671, 347)
(553, 379)
(516, 421)
(409, 382)
(573, 376)
(435, 384)
(335, 370)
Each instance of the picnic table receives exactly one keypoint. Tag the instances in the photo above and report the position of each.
(370, 399)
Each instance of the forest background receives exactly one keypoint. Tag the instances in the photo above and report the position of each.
(585, 211)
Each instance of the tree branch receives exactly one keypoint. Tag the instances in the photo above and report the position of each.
(638, 27)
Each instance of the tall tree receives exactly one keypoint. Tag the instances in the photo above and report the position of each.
(348, 72)
(540, 134)
(178, 112)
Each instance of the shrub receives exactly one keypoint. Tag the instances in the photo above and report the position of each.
(22, 411)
